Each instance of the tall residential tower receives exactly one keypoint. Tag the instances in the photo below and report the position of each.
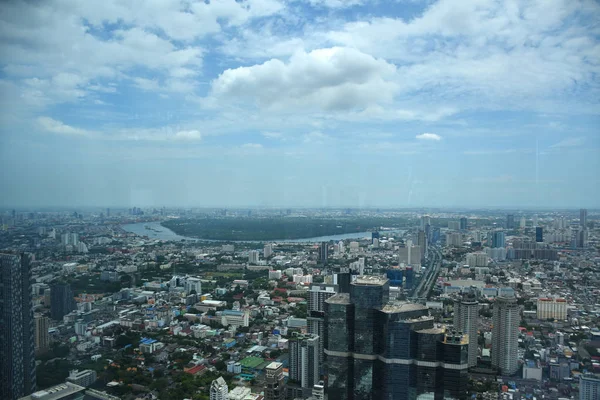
(17, 345)
(505, 335)
(466, 315)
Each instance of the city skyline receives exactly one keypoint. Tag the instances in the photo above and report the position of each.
(273, 102)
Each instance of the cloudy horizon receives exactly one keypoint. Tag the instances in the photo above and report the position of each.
(320, 103)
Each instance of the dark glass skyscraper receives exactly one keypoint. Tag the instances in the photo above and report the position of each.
(498, 239)
(323, 252)
(510, 221)
(17, 345)
(539, 234)
(463, 224)
(62, 301)
(377, 350)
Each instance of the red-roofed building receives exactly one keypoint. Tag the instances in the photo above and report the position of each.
(197, 370)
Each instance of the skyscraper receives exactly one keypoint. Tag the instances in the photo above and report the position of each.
(274, 386)
(505, 335)
(583, 218)
(41, 332)
(219, 389)
(422, 242)
(498, 239)
(17, 345)
(62, 301)
(323, 252)
(315, 320)
(463, 224)
(253, 257)
(466, 315)
(391, 351)
(304, 360)
(539, 234)
(510, 221)
(374, 235)
(268, 250)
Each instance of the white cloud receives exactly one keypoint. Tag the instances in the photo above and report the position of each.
(329, 79)
(569, 142)
(187, 135)
(429, 136)
(53, 126)
(252, 146)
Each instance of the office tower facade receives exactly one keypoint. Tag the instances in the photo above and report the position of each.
(422, 243)
(304, 360)
(498, 239)
(463, 224)
(583, 218)
(42, 324)
(323, 252)
(505, 335)
(539, 234)
(315, 319)
(374, 235)
(219, 389)
(466, 318)
(274, 386)
(392, 351)
(17, 344)
(510, 221)
(425, 220)
(62, 301)
(589, 387)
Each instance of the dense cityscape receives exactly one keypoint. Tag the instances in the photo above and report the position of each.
(300, 200)
(428, 304)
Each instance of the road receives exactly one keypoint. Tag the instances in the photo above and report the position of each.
(432, 269)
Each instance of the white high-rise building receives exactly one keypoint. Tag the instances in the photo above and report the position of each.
(505, 335)
(466, 315)
(551, 308)
(253, 257)
(304, 360)
(275, 274)
(478, 259)
(219, 389)
(341, 247)
(193, 284)
(268, 250)
(589, 387)
(454, 239)
(522, 223)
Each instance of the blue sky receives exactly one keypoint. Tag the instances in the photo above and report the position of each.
(351, 103)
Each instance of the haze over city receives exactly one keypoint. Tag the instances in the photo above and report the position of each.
(290, 103)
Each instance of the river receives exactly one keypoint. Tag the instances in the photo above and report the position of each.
(157, 231)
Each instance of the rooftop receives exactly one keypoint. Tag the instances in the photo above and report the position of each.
(274, 365)
(370, 280)
(340, 298)
(55, 392)
(398, 307)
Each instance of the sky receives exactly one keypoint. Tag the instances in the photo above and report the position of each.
(312, 103)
